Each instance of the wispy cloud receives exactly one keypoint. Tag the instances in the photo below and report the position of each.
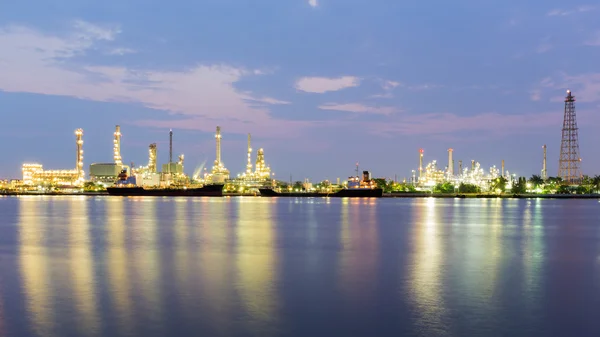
(594, 40)
(536, 95)
(121, 51)
(322, 85)
(544, 45)
(35, 62)
(358, 108)
(313, 3)
(586, 87)
(564, 12)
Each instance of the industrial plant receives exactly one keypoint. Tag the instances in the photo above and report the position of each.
(257, 174)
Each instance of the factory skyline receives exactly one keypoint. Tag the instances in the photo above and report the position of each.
(425, 172)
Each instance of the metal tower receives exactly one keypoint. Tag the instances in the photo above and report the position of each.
(117, 146)
(569, 162)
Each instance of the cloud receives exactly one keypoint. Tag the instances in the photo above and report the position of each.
(359, 108)
(205, 94)
(121, 51)
(321, 85)
(585, 87)
(536, 95)
(563, 12)
(268, 100)
(389, 85)
(594, 40)
(313, 3)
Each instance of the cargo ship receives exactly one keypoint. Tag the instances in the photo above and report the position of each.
(126, 186)
(357, 188)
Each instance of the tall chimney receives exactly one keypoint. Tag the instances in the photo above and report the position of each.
(472, 164)
(170, 146)
(420, 162)
(218, 138)
(503, 167)
(450, 163)
(460, 167)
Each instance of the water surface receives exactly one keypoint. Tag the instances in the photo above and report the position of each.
(147, 266)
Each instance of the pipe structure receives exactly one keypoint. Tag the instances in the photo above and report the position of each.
(117, 146)
(544, 171)
(450, 163)
(79, 163)
(152, 158)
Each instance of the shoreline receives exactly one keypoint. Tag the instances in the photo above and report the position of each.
(385, 195)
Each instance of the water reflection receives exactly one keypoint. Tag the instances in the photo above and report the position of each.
(82, 266)
(117, 262)
(256, 261)
(426, 274)
(147, 259)
(215, 261)
(360, 250)
(33, 258)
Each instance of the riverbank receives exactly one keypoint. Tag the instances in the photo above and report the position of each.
(385, 195)
(491, 196)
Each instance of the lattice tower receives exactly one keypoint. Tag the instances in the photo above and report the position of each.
(569, 164)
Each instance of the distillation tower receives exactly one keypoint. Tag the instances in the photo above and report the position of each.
(219, 173)
(117, 146)
(249, 164)
(79, 164)
(152, 158)
(544, 171)
(262, 170)
(569, 162)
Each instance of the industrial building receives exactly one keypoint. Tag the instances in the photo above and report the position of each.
(35, 175)
(107, 173)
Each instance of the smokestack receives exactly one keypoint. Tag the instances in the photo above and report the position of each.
(218, 137)
(170, 146)
(460, 167)
(544, 172)
(450, 163)
(503, 167)
(117, 146)
(420, 162)
(472, 165)
(79, 163)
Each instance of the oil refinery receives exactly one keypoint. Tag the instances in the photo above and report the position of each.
(427, 177)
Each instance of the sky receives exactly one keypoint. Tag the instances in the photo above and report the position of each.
(320, 84)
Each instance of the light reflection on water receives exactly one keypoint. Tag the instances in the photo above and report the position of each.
(293, 267)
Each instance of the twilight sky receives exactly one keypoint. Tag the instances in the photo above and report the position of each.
(320, 84)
